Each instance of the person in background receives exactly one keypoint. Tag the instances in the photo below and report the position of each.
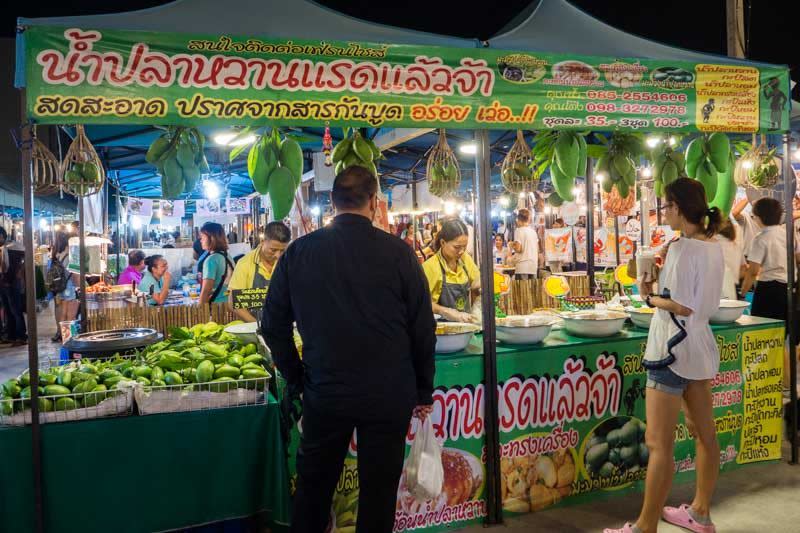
(427, 234)
(254, 269)
(12, 290)
(453, 277)
(349, 285)
(233, 237)
(556, 266)
(681, 358)
(732, 253)
(66, 303)
(526, 246)
(155, 282)
(133, 272)
(199, 257)
(217, 266)
(500, 250)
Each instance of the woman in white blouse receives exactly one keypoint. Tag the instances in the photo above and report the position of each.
(682, 358)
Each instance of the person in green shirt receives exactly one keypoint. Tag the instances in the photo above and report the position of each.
(217, 266)
(155, 282)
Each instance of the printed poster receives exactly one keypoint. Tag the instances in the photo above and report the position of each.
(140, 207)
(237, 206)
(558, 245)
(579, 237)
(172, 208)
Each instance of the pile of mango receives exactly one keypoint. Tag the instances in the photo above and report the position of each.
(71, 386)
(276, 168)
(203, 354)
(355, 150)
(668, 165)
(179, 156)
(444, 177)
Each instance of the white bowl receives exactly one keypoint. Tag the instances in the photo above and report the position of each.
(594, 323)
(457, 340)
(639, 317)
(729, 311)
(523, 329)
(247, 332)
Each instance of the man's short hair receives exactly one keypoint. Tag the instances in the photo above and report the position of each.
(277, 231)
(524, 216)
(353, 188)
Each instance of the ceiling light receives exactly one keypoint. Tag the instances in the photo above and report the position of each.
(796, 154)
(647, 172)
(504, 201)
(227, 139)
(673, 141)
(600, 177)
(748, 163)
(652, 142)
(547, 210)
(522, 196)
(43, 223)
(468, 148)
(315, 211)
(576, 191)
(210, 190)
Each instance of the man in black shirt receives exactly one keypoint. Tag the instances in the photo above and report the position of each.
(363, 309)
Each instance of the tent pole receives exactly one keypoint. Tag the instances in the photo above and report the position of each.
(483, 167)
(616, 238)
(788, 196)
(119, 228)
(590, 224)
(82, 263)
(30, 301)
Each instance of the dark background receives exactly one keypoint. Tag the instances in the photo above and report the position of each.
(696, 24)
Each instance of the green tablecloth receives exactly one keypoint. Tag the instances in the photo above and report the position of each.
(148, 473)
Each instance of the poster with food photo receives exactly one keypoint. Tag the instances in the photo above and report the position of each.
(558, 245)
(237, 206)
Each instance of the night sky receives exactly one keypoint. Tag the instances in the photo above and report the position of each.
(695, 24)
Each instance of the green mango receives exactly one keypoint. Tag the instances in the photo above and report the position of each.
(341, 150)
(185, 154)
(157, 149)
(281, 192)
(291, 157)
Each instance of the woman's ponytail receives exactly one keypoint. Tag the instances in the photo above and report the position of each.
(714, 221)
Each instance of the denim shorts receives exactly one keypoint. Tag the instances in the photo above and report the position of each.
(666, 380)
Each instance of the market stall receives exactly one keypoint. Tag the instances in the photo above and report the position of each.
(265, 82)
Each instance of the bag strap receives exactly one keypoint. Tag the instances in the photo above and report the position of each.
(218, 289)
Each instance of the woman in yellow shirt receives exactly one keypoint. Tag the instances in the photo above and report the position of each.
(453, 277)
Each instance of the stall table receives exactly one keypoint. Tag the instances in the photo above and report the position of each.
(560, 398)
(149, 473)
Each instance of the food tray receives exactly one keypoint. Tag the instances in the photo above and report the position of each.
(200, 396)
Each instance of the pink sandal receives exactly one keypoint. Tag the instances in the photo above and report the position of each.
(627, 528)
(680, 517)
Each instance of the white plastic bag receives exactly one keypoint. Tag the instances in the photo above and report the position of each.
(424, 473)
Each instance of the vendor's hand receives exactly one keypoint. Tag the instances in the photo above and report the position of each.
(645, 288)
(167, 277)
(422, 411)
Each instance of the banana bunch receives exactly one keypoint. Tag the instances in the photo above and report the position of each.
(569, 161)
(443, 177)
(668, 165)
(178, 154)
(82, 177)
(706, 157)
(275, 166)
(358, 151)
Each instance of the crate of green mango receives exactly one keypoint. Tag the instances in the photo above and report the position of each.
(197, 368)
(79, 390)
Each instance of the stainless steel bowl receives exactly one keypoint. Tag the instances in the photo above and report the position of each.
(729, 311)
(524, 329)
(594, 323)
(453, 337)
(639, 317)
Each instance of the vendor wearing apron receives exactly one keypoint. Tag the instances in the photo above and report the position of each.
(453, 277)
(254, 270)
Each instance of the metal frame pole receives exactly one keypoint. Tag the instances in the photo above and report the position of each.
(483, 167)
(616, 238)
(82, 263)
(791, 326)
(590, 224)
(30, 301)
(119, 228)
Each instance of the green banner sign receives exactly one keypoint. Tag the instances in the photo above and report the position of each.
(572, 423)
(89, 76)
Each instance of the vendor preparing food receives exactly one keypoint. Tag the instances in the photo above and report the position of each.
(254, 270)
(453, 277)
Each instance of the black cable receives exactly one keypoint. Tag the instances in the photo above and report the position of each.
(747, 31)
